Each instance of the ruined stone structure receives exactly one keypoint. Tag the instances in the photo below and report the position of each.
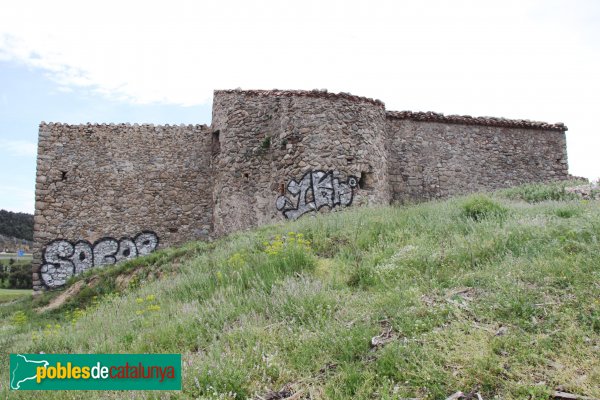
(106, 193)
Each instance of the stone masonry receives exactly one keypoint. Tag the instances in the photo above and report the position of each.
(106, 193)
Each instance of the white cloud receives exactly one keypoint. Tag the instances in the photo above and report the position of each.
(518, 59)
(20, 148)
(17, 199)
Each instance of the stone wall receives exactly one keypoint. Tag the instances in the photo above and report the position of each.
(433, 156)
(110, 192)
(107, 193)
(284, 154)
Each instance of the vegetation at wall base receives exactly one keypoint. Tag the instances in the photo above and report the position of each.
(537, 192)
(492, 294)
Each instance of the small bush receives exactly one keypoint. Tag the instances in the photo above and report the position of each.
(19, 276)
(362, 277)
(266, 143)
(480, 207)
(19, 318)
(567, 212)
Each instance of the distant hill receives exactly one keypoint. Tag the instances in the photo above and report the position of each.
(18, 225)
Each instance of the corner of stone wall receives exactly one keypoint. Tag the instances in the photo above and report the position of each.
(44, 135)
(104, 185)
(274, 140)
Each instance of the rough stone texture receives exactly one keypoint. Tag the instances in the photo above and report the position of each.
(107, 193)
(590, 191)
(268, 140)
(435, 159)
(96, 182)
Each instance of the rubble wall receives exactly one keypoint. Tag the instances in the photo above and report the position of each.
(105, 193)
(108, 193)
(285, 154)
(434, 156)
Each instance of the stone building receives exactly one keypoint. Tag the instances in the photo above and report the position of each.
(110, 192)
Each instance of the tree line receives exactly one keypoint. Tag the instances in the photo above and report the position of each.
(19, 225)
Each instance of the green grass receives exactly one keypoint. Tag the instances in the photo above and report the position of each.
(18, 260)
(507, 304)
(481, 207)
(7, 295)
(537, 192)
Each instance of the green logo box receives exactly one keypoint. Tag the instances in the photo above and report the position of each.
(95, 372)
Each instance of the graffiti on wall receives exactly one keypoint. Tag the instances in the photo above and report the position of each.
(62, 259)
(315, 190)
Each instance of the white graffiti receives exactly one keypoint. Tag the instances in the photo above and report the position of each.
(62, 259)
(315, 190)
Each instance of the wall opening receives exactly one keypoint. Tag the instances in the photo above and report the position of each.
(216, 143)
(366, 180)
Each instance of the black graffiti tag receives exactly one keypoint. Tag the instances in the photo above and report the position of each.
(315, 190)
(62, 259)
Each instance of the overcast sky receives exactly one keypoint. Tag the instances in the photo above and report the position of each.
(158, 62)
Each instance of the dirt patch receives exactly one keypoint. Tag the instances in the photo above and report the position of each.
(61, 299)
(123, 281)
(72, 291)
(388, 335)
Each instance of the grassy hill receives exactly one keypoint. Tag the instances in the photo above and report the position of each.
(492, 295)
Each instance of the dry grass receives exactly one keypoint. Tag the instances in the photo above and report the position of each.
(507, 305)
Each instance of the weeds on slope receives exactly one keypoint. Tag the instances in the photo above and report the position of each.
(507, 304)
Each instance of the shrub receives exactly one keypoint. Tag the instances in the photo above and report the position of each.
(19, 318)
(266, 143)
(480, 207)
(20, 276)
(566, 212)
